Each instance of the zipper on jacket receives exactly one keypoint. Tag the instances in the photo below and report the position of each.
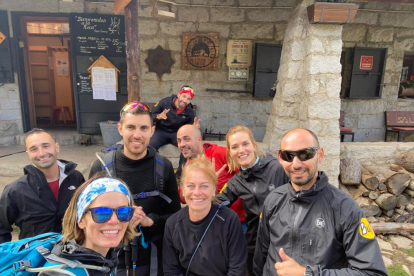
(295, 234)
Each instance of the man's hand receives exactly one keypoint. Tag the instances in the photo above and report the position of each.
(288, 266)
(213, 161)
(196, 122)
(140, 217)
(163, 115)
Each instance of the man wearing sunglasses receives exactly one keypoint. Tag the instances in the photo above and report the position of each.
(170, 114)
(155, 195)
(37, 201)
(309, 227)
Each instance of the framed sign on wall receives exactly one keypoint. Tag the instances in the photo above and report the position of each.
(200, 51)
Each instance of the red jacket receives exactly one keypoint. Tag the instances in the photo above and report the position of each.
(219, 154)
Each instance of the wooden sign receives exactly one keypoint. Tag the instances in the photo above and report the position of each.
(200, 51)
(105, 63)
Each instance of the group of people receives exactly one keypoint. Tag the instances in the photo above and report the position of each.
(284, 216)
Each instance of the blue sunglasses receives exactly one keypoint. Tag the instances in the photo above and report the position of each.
(104, 214)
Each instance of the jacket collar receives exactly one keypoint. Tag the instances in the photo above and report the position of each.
(320, 184)
(258, 169)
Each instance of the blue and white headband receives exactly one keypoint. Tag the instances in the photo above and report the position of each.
(96, 188)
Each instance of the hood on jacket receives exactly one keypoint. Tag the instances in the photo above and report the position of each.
(72, 251)
(257, 170)
(68, 167)
(307, 195)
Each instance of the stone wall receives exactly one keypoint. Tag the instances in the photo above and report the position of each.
(388, 26)
(262, 21)
(10, 113)
(309, 86)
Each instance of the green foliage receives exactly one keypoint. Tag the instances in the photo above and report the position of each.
(409, 252)
(396, 270)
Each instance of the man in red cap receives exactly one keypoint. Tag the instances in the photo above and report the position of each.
(170, 114)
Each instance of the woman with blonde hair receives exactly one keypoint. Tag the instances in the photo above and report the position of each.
(258, 175)
(203, 238)
(96, 225)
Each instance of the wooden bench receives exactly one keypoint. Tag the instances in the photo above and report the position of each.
(343, 130)
(399, 122)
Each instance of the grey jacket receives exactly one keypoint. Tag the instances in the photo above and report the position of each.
(252, 186)
(320, 228)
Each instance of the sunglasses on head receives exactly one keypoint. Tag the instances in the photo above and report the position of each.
(104, 214)
(132, 105)
(303, 154)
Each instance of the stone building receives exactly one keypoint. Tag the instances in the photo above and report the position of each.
(312, 85)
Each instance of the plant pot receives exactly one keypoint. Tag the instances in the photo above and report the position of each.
(332, 13)
(406, 92)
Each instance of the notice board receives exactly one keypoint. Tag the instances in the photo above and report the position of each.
(93, 35)
(6, 66)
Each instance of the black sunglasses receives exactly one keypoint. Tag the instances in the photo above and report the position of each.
(104, 214)
(303, 154)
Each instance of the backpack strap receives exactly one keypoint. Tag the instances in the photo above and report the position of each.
(109, 160)
(159, 179)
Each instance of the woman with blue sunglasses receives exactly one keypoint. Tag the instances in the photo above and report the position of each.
(96, 224)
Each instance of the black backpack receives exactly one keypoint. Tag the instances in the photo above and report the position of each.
(159, 174)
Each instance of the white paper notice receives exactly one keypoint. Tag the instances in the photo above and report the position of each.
(98, 91)
(110, 84)
(104, 83)
(98, 75)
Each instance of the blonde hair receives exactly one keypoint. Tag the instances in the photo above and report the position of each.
(199, 163)
(70, 225)
(233, 166)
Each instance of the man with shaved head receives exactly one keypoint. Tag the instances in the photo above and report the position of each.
(309, 227)
(37, 201)
(189, 142)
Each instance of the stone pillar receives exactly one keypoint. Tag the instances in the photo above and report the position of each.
(309, 86)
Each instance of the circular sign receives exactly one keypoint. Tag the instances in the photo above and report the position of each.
(200, 51)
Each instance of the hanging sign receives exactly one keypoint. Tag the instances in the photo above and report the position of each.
(200, 51)
(366, 62)
(239, 53)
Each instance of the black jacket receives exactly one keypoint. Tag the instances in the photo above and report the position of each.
(29, 202)
(70, 250)
(174, 121)
(252, 186)
(139, 176)
(222, 252)
(319, 228)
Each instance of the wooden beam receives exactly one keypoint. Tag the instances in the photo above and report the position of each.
(119, 5)
(132, 52)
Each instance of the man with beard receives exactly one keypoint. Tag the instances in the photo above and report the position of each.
(169, 114)
(309, 227)
(37, 201)
(136, 164)
(189, 142)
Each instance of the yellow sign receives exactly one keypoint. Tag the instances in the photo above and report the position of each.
(365, 229)
(2, 37)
